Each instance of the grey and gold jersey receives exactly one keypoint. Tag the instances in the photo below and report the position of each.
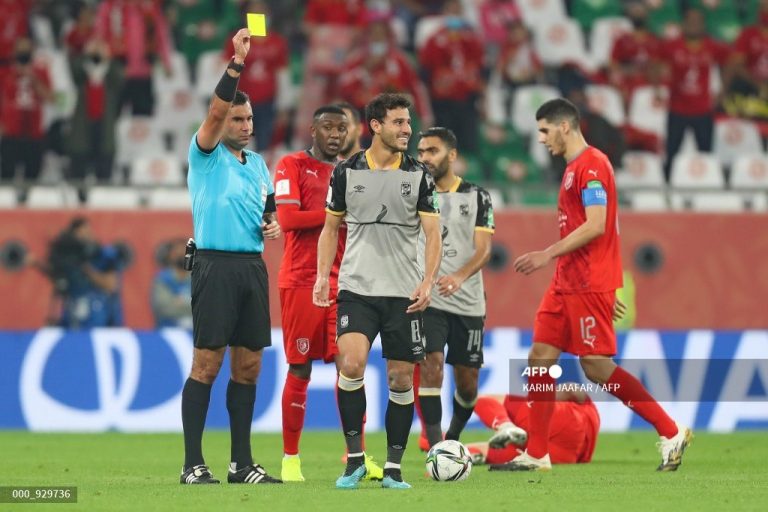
(382, 210)
(463, 210)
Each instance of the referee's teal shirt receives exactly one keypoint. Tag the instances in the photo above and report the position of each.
(228, 198)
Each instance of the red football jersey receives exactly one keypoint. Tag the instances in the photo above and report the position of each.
(21, 106)
(689, 77)
(753, 45)
(637, 51)
(596, 266)
(302, 180)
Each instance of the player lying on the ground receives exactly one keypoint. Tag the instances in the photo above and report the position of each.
(572, 433)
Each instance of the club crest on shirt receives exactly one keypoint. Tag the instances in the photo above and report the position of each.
(302, 345)
(568, 180)
(464, 210)
(344, 321)
(405, 189)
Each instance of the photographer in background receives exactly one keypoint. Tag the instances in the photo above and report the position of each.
(86, 278)
(172, 290)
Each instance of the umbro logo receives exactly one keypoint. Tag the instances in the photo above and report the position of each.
(358, 188)
(313, 173)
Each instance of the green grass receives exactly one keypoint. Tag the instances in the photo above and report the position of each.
(140, 472)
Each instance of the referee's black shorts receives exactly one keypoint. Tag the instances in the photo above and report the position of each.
(401, 333)
(230, 300)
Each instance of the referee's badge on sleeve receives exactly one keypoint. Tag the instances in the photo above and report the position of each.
(282, 188)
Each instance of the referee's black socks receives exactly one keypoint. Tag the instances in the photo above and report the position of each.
(240, 401)
(398, 423)
(194, 408)
(352, 403)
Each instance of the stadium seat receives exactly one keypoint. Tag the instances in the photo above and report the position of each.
(8, 198)
(641, 169)
(113, 198)
(42, 197)
(604, 32)
(587, 12)
(165, 85)
(663, 17)
(180, 115)
(560, 42)
(497, 198)
(734, 138)
(42, 31)
(707, 201)
(426, 27)
(210, 66)
(169, 199)
(525, 103)
(400, 31)
(536, 12)
(138, 137)
(750, 172)
(697, 171)
(160, 170)
(648, 201)
(539, 153)
(648, 113)
(606, 101)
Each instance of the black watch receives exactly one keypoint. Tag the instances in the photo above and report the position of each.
(236, 67)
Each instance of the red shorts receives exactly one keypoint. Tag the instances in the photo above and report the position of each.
(577, 323)
(309, 331)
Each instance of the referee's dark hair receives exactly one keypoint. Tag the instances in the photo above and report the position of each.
(444, 134)
(345, 105)
(377, 108)
(240, 98)
(327, 109)
(557, 110)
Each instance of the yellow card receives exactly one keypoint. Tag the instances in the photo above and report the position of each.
(257, 24)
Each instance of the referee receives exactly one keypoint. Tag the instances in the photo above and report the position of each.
(233, 209)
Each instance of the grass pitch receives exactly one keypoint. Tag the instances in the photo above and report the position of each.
(116, 472)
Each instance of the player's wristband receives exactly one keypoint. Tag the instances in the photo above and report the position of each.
(227, 87)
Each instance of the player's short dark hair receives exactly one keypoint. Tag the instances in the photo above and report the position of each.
(241, 98)
(377, 108)
(557, 110)
(345, 105)
(327, 109)
(444, 134)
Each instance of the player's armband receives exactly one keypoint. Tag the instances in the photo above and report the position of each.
(594, 194)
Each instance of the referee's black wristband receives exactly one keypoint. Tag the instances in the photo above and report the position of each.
(227, 87)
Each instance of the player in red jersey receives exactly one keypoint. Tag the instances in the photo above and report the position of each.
(572, 433)
(576, 313)
(309, 332)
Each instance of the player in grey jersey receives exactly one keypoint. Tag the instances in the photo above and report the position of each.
(386, 198)
(456, 314)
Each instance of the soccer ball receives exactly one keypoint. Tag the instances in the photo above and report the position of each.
(449, 461)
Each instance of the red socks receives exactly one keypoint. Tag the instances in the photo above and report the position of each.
(631, 391)
(491, 412)
(294, 410)
(542, 395)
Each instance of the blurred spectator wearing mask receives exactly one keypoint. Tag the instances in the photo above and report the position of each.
(91, 135)
(496, 16)
(266, 78)
(635, 55)
(86, 278)
(15, 27)
(452, 61)
(172, 290)
(747, 74)
(518, 63)
(379, 66)
(689, 60)
(138, 36)
(25, 88)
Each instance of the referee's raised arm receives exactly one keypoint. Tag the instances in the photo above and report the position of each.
(213, 127)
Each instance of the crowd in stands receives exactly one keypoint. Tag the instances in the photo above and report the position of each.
(99, 94)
